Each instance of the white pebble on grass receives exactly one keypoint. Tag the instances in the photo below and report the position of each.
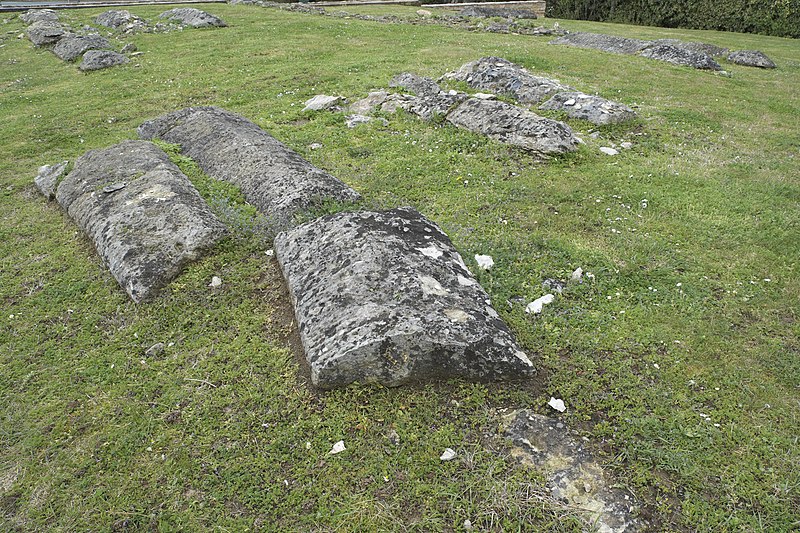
(216, 281)
(448, 454)
(484, 261)
(337, 448)
(557, 404)
(608, 150)
(535, 306)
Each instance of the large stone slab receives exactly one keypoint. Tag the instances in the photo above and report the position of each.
(694, 46)
(515, 126)
(146, 219)
(419, 85)
(594, 109)
(195, 18)
(751, 58)
(70, 47)
(117, 19)
(681, 56)
(500, 76)
(384, 297)
(37, 15)
(229, 147)
(45, 32)
(100, 59)
(606, 43)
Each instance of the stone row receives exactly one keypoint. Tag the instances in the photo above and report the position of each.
(691, 54)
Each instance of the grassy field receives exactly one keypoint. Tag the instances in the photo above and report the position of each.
(679, 360)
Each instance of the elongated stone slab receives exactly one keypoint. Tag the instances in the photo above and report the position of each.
(384, 297)
(515, 126)
(606, 43)
(229, 147)
(681, 56)
(594, 109)
(500, 76)
(145, 217)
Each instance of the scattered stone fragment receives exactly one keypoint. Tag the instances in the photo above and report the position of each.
(448, 455)
(577, 274)
(155, 350)
(39, 15)
(45, 32)
(424, 13)
(503, 12)
(419, 85)
(129, 48)
(594, 109)
(557, 404)
(47, 179)
(535, 307)
(216, 282)
(321, 102)
(117, 18)
(572, 473)
(146, 231)
(100, 59)
(626, 145)
(356, 120)
(751, 58)
(503, 77)
(608, 150)
(369, 104)
(192, 17)
(680, 56)
(337, 448)
(511, 125)
(553, 285)
(485, 262)
(228, 147)
(606, 43)
(70, 47)
(384, 297)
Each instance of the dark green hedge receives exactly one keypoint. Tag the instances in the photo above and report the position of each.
(768, 17)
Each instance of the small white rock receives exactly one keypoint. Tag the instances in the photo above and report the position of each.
(535, 307)
(320, 102)
(337, 448)
(571, 101)
(448, 454)
(484, 96)
(608, 150)
(557, 404)
(577, 274)
(216, 281)
(484, 261)
(627, 145)
(468, 525)
(270, 252)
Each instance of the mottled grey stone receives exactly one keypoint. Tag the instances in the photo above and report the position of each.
(485, 11)
(606, 43)
(45, 32)
(70, 47)
(384, 297)
(38, 15)
(48, 177)
(692, 46)
(751, 58)
(100, 59)
(419, 85)
(146, 219)
(572, 474)
(499, 76)
(515, 126)
(595, 109)
(321, 102)
(193, 17)
(369, 104)
(117, 18)
(229, 147)
(680, 56)
(430, 106)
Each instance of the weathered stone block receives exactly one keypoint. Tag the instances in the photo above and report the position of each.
(47, 178)
(45, 32)
(681, 56)
(384, 297)
(229, 147)
(70, 47)
(515, 126)
(751, 58)
(419, 85)
(38, 15)
(146, 219)
(100, 59)
(195, 18)
(594, 109)
(606, 43)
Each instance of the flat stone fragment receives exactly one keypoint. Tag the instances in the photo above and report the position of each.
(228, 147)
(481, 11)
(100, 59)
(680, 56)
(48, 177)
(573, 475)
(70, 47)
(384, 297)
(500, 76)
(594, 109)
(367, 105)
(116, 18)
(515, 126)
(146, 219)
(419, 85)
(606, 43)
(38, 15)
(429, 106)
(45, 32)
(321, 102)
(751, 58)
(195, 18)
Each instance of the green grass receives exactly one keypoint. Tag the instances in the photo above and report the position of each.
(223, 431)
